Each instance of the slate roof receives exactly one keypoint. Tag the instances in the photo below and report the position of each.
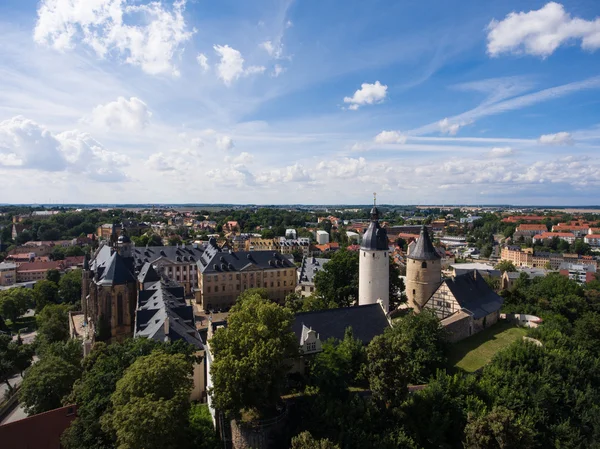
(424, 249)
(175, 254)
(216, 261)
(159, 303)
(366, 321)
(474, 294)
(309, 268)
(110, 268)
(375, 237)
(148, 274)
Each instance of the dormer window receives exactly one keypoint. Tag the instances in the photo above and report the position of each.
(311, 346)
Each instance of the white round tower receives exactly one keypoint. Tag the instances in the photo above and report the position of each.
(374, 266)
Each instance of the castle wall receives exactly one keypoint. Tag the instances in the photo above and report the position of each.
(422, 282)
(374, 277)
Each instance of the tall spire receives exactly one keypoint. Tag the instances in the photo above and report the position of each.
(374, 211)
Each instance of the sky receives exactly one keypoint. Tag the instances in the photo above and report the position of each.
(300, 102)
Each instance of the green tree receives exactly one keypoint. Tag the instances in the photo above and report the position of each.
(305, 440)
(202, 431)
(15, 302)
(506, 265)
(46, 383)
(500, 428)
(69, 287)
(251, 356)
(15, 357)
(338, 280)
(150, 405)
(53, 323)
(53, 275)
(45, 292)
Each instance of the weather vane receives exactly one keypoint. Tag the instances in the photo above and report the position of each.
(374, 198)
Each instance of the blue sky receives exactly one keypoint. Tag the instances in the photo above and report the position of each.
(300, 101)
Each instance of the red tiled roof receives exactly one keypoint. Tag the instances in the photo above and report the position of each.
(592, 236)
(532, 227)
(41, 266)
(549, 235)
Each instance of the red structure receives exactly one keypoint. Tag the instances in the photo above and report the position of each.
(41, 431)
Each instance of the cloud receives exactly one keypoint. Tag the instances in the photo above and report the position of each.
(498, 152)
(274, 49)
(225, 143)
(25, 144)
(203, 61)
(343, 169)
(292, 173)
(561, 138)
(160, 162)
(108, 28)
(540, 32)
(231, 177)
(451, 128)
(367, 94)
(231, 66)
(242, 159)
(277, 70)
(390, 137)
(132, 114)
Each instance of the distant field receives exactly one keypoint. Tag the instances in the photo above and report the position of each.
(477, 351)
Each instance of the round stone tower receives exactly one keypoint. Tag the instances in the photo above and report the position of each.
(374, 265)
(423, 271)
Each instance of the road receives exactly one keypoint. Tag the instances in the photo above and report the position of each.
(17, 414)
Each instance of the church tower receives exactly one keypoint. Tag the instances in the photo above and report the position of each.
(423, 271)
(374, 265)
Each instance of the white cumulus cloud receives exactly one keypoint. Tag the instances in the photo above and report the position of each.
(561, 138)
(112, 27)
(344, 169)
(390, 137)
(132, 114)
(498, 152)
(203, 61)
(242, 159)
(291, 173)
(367, 94)
(225, 143)
(231, 65)
(277, 70)
(540, 32)
(274, 49)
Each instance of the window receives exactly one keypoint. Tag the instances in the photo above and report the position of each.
(231, 277)
(119, 309)
(312, 289)
(216, 288)
(237, 287)
(285, 283)
(414, 292)
(278, 284)
(265, 285)
(311, 346)
(207, 278)
(278, 273)
(208, 289)
(271, 283)
(223, 288)
(424, 265)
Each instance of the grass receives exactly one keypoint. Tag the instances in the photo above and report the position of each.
(478, 350)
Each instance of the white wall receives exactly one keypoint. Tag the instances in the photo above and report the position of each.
(374, 278)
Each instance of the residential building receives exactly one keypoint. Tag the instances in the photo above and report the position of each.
(529, 230)
(177, 263)
(592, 240)
(579, 229)
(223, 276)
(8, 273)
(306, 275)
(291, 234)
(482, 268)
(106, 230)
(527, 258)
(322, 237)
(36, 271)
(327, 247)
(581, 273)
(20, 259)
(470, 219)
(509, 277)
(288, 246)
(566, 236)
(353, 237)
(465, 304)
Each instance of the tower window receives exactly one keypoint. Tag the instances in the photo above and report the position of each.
(414, 292)
(424, 265)
(119, 309)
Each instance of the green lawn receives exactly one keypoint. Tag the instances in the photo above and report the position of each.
(477, 351)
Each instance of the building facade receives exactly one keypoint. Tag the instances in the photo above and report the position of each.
(374, 265)
(8, 273)
(306, 275)
(423, 271)
(224, 275)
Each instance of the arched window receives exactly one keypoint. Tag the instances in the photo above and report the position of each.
(414, 292)
(119, 309)
(424, 265)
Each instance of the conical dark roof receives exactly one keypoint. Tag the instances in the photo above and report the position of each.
(375, 238)
(424, 249)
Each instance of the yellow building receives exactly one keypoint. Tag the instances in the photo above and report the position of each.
(223, 276)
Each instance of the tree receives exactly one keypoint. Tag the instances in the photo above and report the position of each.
(150, 405)
(15, 302)
(506, 265)
(70, 286)
(251, 356)
(14, 357)
(53, 275)
(305, 440)
(202, 431)
(338, 280)
(23, 355)
(500, 428)
(46, 383)
(45, 292)
(408, 352)
(53, 323)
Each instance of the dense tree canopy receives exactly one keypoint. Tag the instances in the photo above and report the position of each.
(53, 323)
(70, 286)
(251, 357)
